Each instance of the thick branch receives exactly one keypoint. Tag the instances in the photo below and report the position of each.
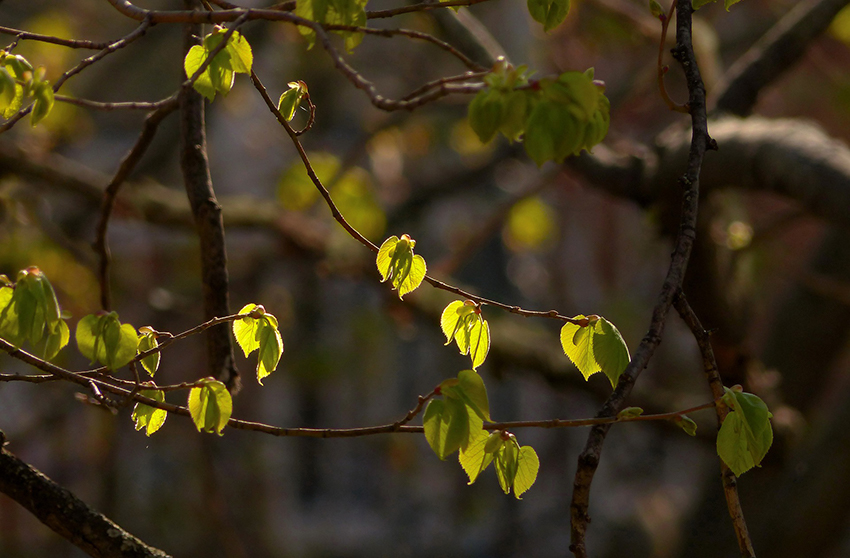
(66, 514)
(773, 55)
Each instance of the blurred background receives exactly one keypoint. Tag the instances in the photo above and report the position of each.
(768, 276)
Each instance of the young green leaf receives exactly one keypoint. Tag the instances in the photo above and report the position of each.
(30, 312)
(475, 458)
(687, 424)
(630, 412)
(57, 336)
(43, 95)
(507, 464)
(474, 393)
(150, 418)
(746, 434)
(595, 347)
(18, 68)
(549, 12)
(485, 113)
(463, 323)
(104, 339)
(245, 330)
(527, 467)
(235, 58)
(147, 341)
(291, 98)
(396, 262)
(210, 405)
(270, 347)
(655, 8)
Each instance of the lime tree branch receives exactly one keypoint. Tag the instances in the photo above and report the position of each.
(117, 45)
(588, 460)
(62, 511)
(70, 43)
(709, 363)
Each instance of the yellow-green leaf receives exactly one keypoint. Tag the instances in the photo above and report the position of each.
(526, 473)
(210, 406)
(147, 341)
(245, 330)
(147, 417)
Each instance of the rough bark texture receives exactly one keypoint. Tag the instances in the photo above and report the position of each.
(66, 514)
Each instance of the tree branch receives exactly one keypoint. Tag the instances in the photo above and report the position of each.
(67, 515)
(588, 460)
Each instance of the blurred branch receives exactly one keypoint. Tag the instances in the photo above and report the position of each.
(773, 54)
(67, 515)
(70, 43)
(709, 363)
(588, 460)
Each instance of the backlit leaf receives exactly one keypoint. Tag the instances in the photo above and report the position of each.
(291, 99)
(396, 262)
(245, 330)
(210, 406)
(150, 418)
(270, 346)
(527, 467)
(474, 459)
(147, 341)
(610, 350)
(474, 392)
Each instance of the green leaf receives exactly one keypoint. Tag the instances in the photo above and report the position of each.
(486, 112)
(596, 347)
(655, 8)
(104, 339)
(150, 418)
(475, 459)
(240, 55)
(147, 341)
(450, 319)
(630, 412)
(506, 464)
(245, 330)
(610, 350)
(463, 323)
(746, 434)
(56, 339)
(210, 406)
(474, 393)
(270, 346)
(687, 424)
(549, 12)
(291, 99)
(43, 104)
(16, 66)
(396, 262)
(527, 467)
(193, 61)
(7, 89)
(577, 344)
(435, 422)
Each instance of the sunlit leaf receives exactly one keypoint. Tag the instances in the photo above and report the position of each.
(245, 330)
(150, 418)
(210, 406)
(291, 99)
(270, 347)
(610, 350)
(474, 392)
(475, 459)
(396, 262)
(104, 339)
(147, 341)
(526, 473)
(338, 12)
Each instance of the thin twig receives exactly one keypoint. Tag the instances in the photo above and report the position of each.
(125, 105)
(128, 163)
(709, 363)
(71, 43)
(663, 68)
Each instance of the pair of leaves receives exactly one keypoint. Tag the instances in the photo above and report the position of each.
(333, 12)
(258, 331)
(147, 417)
(549, 12)
(555, 118)
(462, 322)
(291, 98)
(455, 421)
(745, 435)
(210, 405)
(103, 338)
(30, 312)
(595, 346)
(19, 81)
(235, 58)
(396, 262)
(516, 467)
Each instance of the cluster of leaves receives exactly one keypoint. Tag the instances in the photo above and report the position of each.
(19, 82)
(594, 345)
(103, 338)
(456, 423)
(257, 330)
(333, 12)
(235, 58)
(554, 117)
(29, 312)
